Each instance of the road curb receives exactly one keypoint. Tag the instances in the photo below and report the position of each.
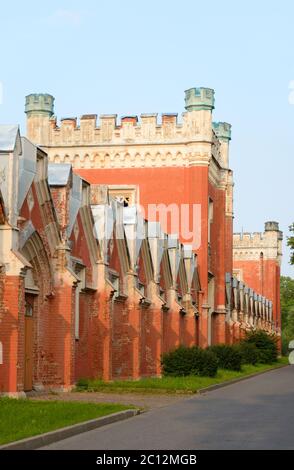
(211, 388)
(41, 440)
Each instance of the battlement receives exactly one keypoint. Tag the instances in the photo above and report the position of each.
(246, 238)
(148, 140)
(271, 230)
(251, 245)
(97, 122)
(195, 125)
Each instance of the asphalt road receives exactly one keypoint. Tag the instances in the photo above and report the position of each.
(257, 413)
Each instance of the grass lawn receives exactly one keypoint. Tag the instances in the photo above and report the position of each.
(190, 384)
(25, 418)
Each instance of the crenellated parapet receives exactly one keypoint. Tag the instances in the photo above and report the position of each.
(129, 128)
(131, 141)
(90, 130)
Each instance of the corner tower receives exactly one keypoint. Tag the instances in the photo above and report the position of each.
(223, 132)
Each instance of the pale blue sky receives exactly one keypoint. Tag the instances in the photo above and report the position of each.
(126, 56)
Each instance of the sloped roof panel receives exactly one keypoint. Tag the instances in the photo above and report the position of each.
(58, 174)
(8, 135)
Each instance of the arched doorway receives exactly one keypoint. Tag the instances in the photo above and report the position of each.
(38, 285)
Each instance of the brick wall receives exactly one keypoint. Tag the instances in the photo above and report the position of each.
(12, 333)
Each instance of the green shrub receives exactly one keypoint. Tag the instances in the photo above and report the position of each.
(228, 357)
(209, 364)
(178, 362)
(249, 353)
(266, 345)
(185, 361)
(83, 383)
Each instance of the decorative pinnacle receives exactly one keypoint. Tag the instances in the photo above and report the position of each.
(197, 99)
(39, 103)
(222, 130)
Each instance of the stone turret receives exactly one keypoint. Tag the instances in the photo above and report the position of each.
(199, 103)
(275, 238)
(197, 99)
(222, 130)
(271, 226)
(39, 103)
(39, 109)
(223, 133)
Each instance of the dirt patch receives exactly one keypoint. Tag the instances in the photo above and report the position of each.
(147, 401)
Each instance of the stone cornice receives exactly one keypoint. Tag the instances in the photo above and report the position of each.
(127, 157)
(124, 144)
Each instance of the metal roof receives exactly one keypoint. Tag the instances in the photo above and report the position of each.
(27, 169)
(8, 134)
(75, 201)
(58, 174)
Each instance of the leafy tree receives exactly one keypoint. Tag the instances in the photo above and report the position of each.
(287, 308)
(287, 297)
(288, 332)
(290, 243)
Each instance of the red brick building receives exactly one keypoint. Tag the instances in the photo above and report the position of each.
(257, 261)
(122, 248)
